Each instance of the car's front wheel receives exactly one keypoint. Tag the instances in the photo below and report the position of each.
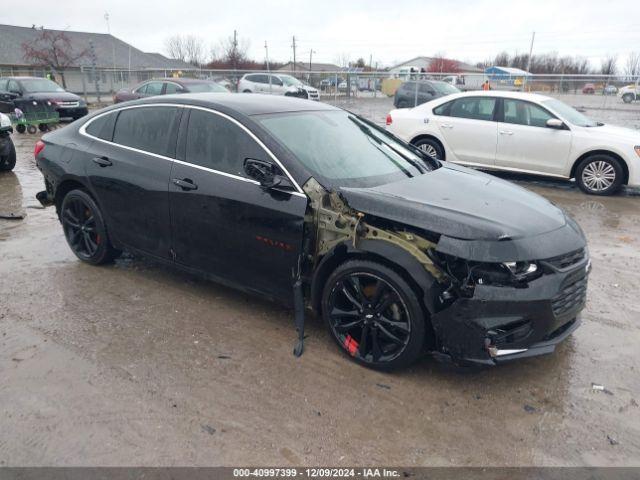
(599, 174)
(627, 97)
(9, 161)
(431, 147)
(84, 228)
(374, 315)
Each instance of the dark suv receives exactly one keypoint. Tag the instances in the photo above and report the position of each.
(414, 93)
(67, 104)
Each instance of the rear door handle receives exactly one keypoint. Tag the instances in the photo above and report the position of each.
(446, 125)
(102, 161)
(506, 132)
(185, 184)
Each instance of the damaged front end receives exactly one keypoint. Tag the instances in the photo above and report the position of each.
(487, 300)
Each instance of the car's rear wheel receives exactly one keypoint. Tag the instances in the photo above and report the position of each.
(374, 315)
(627, 97)
(84, 228)
(246, 90)
(431, 147)
(9, 161)
(599, 174)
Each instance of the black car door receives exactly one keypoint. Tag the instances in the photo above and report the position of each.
(223, 222)
(129, 168)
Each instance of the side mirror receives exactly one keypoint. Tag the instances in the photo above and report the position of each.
(15, 93)
(556, 123)
(266, 174)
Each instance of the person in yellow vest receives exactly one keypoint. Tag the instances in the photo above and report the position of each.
(486, 86)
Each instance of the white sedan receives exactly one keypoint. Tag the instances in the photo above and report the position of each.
(522, 132)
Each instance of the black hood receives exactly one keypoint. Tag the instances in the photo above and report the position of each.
(64, 96)
(475, 212)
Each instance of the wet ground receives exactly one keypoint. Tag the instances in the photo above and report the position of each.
(137, 364)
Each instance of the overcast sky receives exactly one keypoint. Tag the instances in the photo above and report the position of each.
(389, 31)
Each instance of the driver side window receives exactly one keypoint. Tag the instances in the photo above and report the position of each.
(524, 113)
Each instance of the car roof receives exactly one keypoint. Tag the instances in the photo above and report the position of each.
(533, 97)
(244, 103)
(25, 78)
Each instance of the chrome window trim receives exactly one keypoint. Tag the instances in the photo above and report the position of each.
(82, 130)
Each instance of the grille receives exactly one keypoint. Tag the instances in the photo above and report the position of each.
(564, 261)
(68, 104)
(571, 297)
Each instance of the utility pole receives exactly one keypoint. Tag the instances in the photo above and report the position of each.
(113, 50)
(266, 52)
(294, 53)
(533, 37)
(311, 52)
(235, 49)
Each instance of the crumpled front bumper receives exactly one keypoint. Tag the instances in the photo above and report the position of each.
(500, 324)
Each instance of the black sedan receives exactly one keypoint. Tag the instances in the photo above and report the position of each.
(311, 205)
(414, 93)
(167, 86)
(22, 89)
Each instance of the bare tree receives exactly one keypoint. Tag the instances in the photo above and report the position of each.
(609, 65)
(632, 66)
(174, 46)
(343, 60)
(52, 49)
(187, 48)
(230, 52)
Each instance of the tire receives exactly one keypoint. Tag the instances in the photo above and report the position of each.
(246, 91)
(431, 147)
(21, 128)
(85, 230)
(32, 129)
(628, 97)
(386, 334)
(9, 162)
(599, 174)
(43, 127)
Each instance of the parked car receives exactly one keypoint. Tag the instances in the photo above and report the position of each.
(629, 93)
(465, 83)
(523, 132)
(7, 148)
(167, 86)
(67, 104)
(279, 84)
(413, 93)
(610, 90)
(309, 204)
(589, 89)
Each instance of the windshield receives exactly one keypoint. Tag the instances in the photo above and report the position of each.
(40, 85)
(206, 87)
(341, 149)
(570, 114)
(444, 88)
(290, 81)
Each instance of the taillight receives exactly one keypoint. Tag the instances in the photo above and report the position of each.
(389, 119)
(38, 148)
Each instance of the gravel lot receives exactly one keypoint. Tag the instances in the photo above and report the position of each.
(137, 364)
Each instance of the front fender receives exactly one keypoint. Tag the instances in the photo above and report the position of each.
(415, 273)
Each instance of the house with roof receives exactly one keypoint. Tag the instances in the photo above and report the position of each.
(309, 67)
(424, 63)
(116, 62)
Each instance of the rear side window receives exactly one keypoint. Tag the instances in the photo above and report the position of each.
(442, 109)
(154, 88)
(3, 85)
(476, 108)
(217, 143)
(102, 127)
(172, 88)
(151, 129)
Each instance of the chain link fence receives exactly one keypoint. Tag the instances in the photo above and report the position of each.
(374, 93)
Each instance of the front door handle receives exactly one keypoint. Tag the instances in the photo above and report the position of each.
(102, 161)
(446, 125)
(185, 184)
(506, 132)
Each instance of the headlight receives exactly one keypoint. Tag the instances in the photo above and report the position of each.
(5, 121)
(521, 268)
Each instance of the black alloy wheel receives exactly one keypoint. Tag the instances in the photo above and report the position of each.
(84, 228)
(374, 315)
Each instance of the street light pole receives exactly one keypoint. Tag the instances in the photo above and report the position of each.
(533, 37)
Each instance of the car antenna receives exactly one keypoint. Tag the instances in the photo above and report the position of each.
(298, 308)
